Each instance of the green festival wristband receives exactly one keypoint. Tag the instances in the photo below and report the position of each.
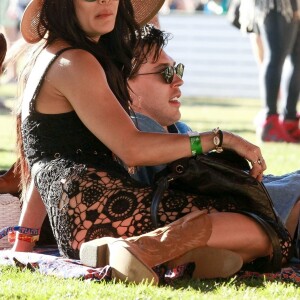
(195, 141)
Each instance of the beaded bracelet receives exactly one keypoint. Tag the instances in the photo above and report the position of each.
(26, 234)
(218, 139)
(22, 237)
(195, 141)
(25, 230)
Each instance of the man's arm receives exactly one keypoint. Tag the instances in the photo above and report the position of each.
(144, 123)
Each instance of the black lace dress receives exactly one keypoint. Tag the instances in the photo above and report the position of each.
(87, 194)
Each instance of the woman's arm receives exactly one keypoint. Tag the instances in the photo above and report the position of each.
(32, 216)
(79, 79)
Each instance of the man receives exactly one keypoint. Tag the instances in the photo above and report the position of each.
(156, 104)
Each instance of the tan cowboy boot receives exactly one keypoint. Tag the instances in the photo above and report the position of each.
(182, 241)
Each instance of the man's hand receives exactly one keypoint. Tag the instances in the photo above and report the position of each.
(10, 181)
(3, 49)
(296, 16)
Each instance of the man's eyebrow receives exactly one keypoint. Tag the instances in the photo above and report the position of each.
(162, 66)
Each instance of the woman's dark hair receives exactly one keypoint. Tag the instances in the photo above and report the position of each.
(115, 50)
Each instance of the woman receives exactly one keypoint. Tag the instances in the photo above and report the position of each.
(75, 120)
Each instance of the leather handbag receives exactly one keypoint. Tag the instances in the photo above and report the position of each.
(221, 176)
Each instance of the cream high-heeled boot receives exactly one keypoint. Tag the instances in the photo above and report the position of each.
(182, 241)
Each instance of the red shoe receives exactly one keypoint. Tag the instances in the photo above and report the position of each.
(292, 128)
(272, 131)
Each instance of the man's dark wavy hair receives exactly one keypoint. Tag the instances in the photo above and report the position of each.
(153, 40)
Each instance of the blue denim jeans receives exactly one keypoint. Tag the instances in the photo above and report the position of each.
(284, 191)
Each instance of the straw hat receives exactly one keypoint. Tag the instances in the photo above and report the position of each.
(144, 11)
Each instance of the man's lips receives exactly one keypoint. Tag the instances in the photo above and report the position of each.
(175, 100)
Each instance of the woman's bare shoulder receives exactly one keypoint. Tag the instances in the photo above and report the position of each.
(76, 63)
(68, 56)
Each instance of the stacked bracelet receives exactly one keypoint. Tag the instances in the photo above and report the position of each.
(195, 141)
(25, 230)
(218, 139)
(26, 234)
(12, 236)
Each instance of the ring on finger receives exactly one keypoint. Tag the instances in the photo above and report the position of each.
(259, 161)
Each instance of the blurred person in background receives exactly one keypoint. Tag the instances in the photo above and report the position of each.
(9, 27)
(182, 5)
(278, 24)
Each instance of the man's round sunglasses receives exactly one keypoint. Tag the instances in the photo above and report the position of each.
(169, 72)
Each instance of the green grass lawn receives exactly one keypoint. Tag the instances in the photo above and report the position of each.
(26, 285)
(201, 114)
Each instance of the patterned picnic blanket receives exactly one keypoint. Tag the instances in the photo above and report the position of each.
(48, 262)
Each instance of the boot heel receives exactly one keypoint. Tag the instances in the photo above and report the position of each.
(95, 253)
(126, 265)
(210, 262)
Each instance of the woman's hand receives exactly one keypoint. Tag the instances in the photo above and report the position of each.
(247, 150)
(8, 186)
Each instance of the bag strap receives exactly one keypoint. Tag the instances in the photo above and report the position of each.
(162, 185)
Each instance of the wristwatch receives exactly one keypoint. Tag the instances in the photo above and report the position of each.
(218, 139)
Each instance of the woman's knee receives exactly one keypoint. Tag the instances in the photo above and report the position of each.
(293, 219)
(239, 233)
